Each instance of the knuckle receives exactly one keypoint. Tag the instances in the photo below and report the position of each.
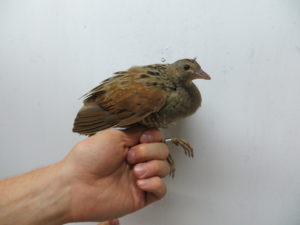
(165, 150)
(168, 167)
(156, 167)
(163, 168)
(161, 187)
(140, 151)
(157, 182)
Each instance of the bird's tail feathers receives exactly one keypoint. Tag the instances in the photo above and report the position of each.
(92, 118)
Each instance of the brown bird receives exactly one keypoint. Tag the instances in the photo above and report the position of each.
(153, 95)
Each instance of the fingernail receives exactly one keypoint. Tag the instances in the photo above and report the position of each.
(142, 182)
(139, 170)
(131, 157)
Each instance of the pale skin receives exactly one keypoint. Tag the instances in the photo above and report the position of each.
(105, 176)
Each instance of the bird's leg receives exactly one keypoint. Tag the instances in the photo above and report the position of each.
(188, 149)
(172, 165)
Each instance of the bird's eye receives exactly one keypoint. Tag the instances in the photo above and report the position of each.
(186, 67)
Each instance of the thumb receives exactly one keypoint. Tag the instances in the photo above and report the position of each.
(133, 135)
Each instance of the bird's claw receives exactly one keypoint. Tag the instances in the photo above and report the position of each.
(188, 149)
(172, 166)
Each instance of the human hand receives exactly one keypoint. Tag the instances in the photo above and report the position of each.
(115, 172)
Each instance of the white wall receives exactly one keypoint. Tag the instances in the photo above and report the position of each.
(246, 170)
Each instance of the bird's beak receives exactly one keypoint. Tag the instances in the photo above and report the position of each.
(201, 75)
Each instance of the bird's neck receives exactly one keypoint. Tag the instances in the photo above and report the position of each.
(194, 94)
(190, 90)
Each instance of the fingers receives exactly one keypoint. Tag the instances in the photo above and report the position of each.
(148, 151)
(150, 162)
(152, 168)
(155, 187)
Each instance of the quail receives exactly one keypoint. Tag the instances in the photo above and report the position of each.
(153, 96)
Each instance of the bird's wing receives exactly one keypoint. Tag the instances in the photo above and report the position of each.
(122, 100)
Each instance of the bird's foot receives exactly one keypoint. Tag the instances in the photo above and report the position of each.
(172, 166)
(188, 149)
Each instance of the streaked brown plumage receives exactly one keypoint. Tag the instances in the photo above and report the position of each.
(153, 95)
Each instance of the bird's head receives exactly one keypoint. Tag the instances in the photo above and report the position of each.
(188, 70)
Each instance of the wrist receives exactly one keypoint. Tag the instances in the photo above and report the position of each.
(52, 195)
(59, 192)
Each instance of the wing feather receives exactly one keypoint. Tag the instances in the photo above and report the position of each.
(122, 100)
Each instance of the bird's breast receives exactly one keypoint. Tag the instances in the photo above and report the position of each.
(180, 103)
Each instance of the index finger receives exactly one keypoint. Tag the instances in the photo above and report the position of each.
(147, 151)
